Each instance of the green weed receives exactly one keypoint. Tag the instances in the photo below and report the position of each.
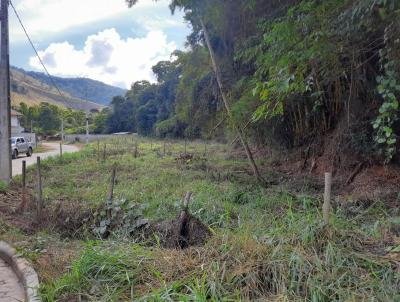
(3, 187)
(268, 243)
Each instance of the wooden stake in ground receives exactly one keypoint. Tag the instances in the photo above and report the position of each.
(228, 109)
(39, 204)
(136, 151)
(327, 197)
(186, 202)
(104, 152)
(110, 195)
(61, 151)
(164, 148)
(22, 207)
(183, 221)
(98, 149)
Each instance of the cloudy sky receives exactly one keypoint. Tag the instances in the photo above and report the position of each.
(98, 39)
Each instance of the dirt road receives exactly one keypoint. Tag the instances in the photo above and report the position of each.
(54, 149)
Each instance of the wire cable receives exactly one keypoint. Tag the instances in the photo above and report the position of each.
(37, 53)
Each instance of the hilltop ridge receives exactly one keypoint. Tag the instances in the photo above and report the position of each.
(25, 89)
(79, 87)
(33, 88)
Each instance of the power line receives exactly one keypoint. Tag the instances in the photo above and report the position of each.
(37, 53)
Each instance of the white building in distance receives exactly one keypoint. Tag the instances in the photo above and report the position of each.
(15, 123)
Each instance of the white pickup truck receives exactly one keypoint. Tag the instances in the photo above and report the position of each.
(20, 146)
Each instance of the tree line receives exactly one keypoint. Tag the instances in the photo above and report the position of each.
(294, 72)
(46, 119)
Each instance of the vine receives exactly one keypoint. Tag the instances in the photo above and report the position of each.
(389, 88)
(385, 136)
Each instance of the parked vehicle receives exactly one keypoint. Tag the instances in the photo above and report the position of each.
(19, 146)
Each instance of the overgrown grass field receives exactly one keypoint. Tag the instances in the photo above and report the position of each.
(267, 244)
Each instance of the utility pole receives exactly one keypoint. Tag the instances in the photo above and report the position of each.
(5, 101)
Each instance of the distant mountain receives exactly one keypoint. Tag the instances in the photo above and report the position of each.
(82, 88)
(31, 91)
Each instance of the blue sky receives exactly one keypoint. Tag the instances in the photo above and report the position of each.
(99, 39)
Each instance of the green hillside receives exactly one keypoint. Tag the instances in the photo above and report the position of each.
(82, 88)
(25, 89)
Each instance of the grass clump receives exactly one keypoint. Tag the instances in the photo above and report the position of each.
(267, 244)
(228, 268)
(3, 187)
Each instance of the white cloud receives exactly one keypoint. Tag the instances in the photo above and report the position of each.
(107, 57)
(154, 21)
(43, 17)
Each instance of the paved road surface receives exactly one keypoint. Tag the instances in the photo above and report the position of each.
(11, 290)
(54, 149)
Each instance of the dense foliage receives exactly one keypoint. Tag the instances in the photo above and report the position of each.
(46, 119)
(147, 108)
(294, 71)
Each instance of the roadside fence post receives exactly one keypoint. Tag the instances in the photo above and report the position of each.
(164, 147)
(327, 197)
(112, 183)
(22, 206)
(104, 152)
(39, 205)
(110, 194)
(136, 151)
(98, 149)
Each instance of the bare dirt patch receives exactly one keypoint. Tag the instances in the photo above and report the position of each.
(173, 235)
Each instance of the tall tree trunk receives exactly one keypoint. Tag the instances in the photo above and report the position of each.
(238, 128)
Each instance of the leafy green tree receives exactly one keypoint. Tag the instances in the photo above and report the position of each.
(122, 115)
(146, 118)
(100, 123)
(293, 72)
(49, 118)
